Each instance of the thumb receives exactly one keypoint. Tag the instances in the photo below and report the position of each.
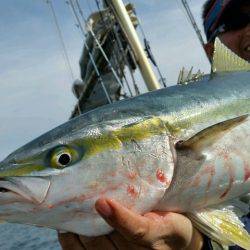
(132, 226)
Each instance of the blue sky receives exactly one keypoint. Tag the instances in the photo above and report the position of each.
(35, 84)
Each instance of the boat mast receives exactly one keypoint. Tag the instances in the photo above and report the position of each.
(130, 32)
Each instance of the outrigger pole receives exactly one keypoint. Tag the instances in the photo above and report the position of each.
(133, 39)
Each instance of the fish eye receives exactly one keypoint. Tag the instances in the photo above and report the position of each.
(63, 156)
(64, 159)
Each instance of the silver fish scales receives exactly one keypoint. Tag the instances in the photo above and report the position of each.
(182, 149)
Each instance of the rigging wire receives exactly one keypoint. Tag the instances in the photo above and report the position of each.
(60, 35)
(99, 77)
(95, 38)
(120, 46)
(98, 4)
(183, 5)
(123, 52)
(149, 51)
(115, 56)
(186, 9)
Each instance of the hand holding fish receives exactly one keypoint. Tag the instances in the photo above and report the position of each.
(154, 230)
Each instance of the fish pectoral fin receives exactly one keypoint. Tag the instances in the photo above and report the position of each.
(210, 135)
(222, 226)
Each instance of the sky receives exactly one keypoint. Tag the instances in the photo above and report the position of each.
(35, 83)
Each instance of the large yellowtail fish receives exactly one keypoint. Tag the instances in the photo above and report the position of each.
(183, 149)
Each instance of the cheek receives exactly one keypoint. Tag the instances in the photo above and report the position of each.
(232, 41)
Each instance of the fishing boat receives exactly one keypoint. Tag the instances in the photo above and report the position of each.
(112, 53)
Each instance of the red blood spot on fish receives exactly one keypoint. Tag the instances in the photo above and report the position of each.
(231, 180)
(132, 191)
(225, 193)
(247, 174)
(50, 206)
(160, 176)
(132, 175)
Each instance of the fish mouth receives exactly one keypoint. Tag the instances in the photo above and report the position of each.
(4, 190)
(31, 189)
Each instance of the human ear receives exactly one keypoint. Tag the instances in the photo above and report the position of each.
(209, 48)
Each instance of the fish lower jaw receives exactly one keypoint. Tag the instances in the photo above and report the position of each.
(9, 197)
(10, 193)
(7, 193)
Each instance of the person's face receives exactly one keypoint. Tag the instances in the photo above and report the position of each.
(238, 41)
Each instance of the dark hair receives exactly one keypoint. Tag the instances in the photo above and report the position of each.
(229, 14)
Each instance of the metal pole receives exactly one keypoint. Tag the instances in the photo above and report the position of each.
(130, 32)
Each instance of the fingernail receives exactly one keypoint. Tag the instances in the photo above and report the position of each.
(103, 208)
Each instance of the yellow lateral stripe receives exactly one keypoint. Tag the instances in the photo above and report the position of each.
(115, 139)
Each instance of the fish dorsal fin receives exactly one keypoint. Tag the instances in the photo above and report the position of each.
(211, 134)
(223, 226)
(225, 60)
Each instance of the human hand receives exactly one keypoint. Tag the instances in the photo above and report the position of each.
(154, 230)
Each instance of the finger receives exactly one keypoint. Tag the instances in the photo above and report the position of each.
(172, 228)
(70, 241)
(131, 225)
(122, 244)
(102, 242)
